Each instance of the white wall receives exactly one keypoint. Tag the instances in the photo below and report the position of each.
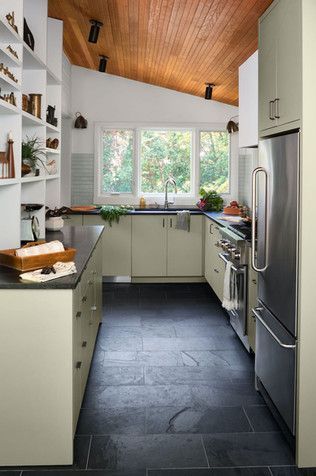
(103, 97)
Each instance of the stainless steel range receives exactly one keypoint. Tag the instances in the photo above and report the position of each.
(234, 249)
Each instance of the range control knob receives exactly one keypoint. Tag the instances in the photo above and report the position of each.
(236, 254)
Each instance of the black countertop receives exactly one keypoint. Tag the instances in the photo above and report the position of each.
(83, 238)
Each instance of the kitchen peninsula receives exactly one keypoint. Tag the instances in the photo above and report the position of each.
(53, 326)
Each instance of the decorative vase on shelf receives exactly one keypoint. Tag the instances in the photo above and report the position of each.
(54, 223)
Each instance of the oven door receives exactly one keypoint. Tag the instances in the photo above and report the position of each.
(238, 316)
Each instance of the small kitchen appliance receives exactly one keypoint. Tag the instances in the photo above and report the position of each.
(30, 228)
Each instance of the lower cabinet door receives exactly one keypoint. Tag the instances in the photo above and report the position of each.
(149, 246)
(184, 256)
(116, 245)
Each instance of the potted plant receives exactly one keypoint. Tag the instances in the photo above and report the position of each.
(33, 154)
(111, 213)
(54, 218)
(210, 201)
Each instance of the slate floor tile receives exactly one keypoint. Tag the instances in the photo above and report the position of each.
(234, 359)
(119, 358)
(196, 420)
(123, 452)
(148, 330)
(247, 449)
(191, 343)
(89, 472)
(180, 472)
(115, 343)
(136, 396)
(203, 331)
(121, 320)
(226, 393)
(261, 418)
(116, 375)
(292, 471)
(183, 375)
(164, 358)
(128, 421)
(241, 472)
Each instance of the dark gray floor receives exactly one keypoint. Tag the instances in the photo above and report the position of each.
(171, 393)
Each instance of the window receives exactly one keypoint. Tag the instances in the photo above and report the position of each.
(163, 154)
(117, 161)
(214, 161)
(135, 160)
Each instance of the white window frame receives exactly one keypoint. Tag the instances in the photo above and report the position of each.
(181, 198)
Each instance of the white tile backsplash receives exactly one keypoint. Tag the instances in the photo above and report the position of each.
(248, 160)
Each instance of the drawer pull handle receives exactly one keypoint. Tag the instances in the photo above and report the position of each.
(90, 282)
(254, 281)
(90, 323)
(170, 222)
(78, 365)
(216, 270)
(84, 343)
(93, 308)
(211, 232)
(78, 314)
(84, 299)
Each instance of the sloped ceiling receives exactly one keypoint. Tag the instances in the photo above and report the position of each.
(176, 44)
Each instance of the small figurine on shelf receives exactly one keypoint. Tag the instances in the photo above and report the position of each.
(12, 51)
(10, 157)
(50, 116)
(11, 20)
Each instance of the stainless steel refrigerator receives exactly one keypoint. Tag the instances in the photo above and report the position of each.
(275, 257)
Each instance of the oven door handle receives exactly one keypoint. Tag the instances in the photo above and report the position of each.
(275, 337)
(236, 270)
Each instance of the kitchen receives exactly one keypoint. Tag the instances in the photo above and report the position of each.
(171, 339)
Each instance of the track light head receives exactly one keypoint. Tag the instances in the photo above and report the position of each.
(103, 63)
(94, 30)
(209, 90)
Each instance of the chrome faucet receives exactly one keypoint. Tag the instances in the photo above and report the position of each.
(173, 182)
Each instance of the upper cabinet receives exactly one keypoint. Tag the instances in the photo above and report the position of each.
(280, 65)
(248, 102)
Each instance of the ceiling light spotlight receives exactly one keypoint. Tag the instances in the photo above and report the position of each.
(103, 63)
(94, 30)
(209, 90)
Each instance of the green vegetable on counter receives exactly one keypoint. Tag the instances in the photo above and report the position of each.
(111, 213)
(210, 201)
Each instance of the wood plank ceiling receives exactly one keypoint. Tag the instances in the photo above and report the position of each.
(176, 44)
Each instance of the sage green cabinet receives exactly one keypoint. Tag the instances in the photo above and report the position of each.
(280, 66)
(116, 243)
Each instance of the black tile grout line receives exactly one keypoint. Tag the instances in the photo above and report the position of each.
(248, 419)
(88, 454)
(204, 449)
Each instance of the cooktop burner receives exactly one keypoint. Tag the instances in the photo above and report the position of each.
(242, 229)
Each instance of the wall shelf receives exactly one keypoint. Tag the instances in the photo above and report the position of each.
(7, 83)
(38, 72)
(51, 128)
(7, 58)
(7, 108)
(33, 179)
(52, 151)
(30, 120)
(8, 182)
(31, 60)
(8, 34)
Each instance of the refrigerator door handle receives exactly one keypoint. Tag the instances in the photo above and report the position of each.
(253, 220)
(285, 346)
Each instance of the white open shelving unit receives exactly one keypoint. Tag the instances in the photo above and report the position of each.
(38, 71)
